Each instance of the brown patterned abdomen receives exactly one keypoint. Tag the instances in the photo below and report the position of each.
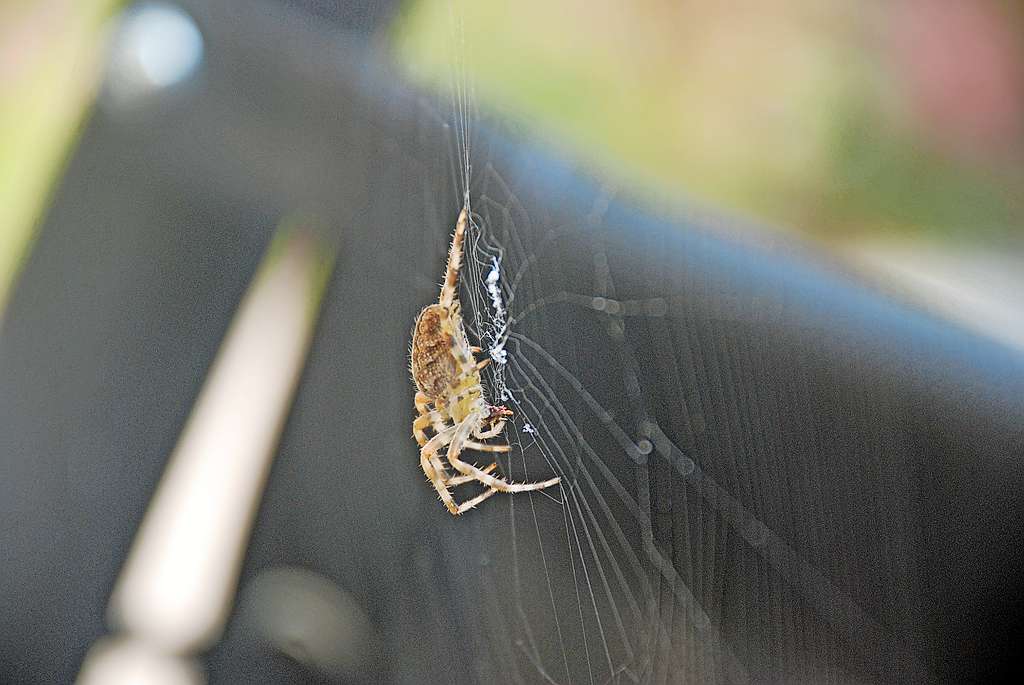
(433, 366)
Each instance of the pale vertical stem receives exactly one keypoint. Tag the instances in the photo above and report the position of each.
(175, 591)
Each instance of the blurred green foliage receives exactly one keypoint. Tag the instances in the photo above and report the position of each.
(801, 112)
(794, 111)
(49, 58)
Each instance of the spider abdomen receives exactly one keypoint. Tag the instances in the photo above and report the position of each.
(433, 366)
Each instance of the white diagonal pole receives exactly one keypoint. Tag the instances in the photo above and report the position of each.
(175, 591)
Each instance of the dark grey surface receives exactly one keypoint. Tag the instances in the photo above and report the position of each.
(855, 509)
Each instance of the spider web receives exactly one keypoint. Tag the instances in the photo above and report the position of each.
(624, 573)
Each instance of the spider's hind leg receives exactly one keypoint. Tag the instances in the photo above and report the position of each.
(451, 275)
(482, 447)
(458, 442)
(433, 467)
(469, 504)
(462, 480)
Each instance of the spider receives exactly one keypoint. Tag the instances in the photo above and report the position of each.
(449, 397)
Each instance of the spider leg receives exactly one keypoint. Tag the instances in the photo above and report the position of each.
(422, 402)
(491, 432)
(442, 472)
(434, 464)
(462, 480)
(451, 276)
(430, 418)
(481, 447)
(469, 504)
(438, 467)
(433, 467)
(481, 364)
(421, 422)
(458, 441)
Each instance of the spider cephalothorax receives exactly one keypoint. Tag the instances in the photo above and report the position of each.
(450, 398)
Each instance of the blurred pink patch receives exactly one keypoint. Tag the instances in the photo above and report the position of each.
(26, 32)
(960, 62)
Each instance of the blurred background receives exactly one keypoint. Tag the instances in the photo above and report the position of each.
(842, 451)
(892, 133)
